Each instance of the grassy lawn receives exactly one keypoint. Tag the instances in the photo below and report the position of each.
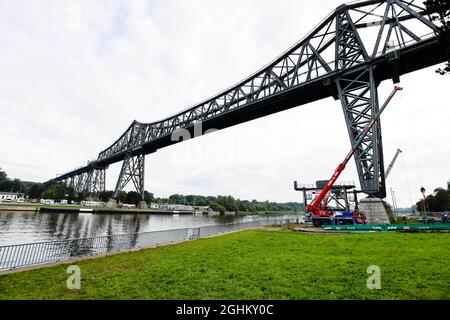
(7, 205)
(256, 265)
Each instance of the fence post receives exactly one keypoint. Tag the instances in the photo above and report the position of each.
(193, 233)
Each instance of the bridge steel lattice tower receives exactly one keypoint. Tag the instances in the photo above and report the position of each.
(132, 169)
(359, 97)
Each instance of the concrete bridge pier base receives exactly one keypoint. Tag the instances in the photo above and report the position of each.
(112, 204)
(142, 205)
(375, 210)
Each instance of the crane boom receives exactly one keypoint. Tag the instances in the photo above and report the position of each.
(389, 169)
(314, 208)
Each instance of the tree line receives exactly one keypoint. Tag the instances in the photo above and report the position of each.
(30, 189)
(59, 191)
(439, 201)
(229, 203)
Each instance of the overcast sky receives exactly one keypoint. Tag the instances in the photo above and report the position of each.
(75, 74)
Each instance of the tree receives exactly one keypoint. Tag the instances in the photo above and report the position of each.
(35, 190)
(17, 186)
(440, 10)
(437, 202)
(162, 200)
(122, 197)
(177, 199)
(5, 183)
(149, 197)
(217, 207)
(228, 202)
(106, 195)
(3, 180)
(202, 202)
(440, 201)
(133, 197)
(56, 191)
(242, 206)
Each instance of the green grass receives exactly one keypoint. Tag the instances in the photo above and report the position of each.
(256, 265)
(15, 204)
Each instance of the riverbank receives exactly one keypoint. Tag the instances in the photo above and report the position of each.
(255, 265)
(102, 210)
(10, 208)
(80, 209)
(26, 207)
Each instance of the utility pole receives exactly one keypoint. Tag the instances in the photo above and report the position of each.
(394, 202)
(424, 201)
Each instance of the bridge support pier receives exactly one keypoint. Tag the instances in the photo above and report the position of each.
(358, 93)
(359, 98)
(375, 210)
(112, 204)
(132, 169)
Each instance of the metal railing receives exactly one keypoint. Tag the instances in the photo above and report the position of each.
(25, 255)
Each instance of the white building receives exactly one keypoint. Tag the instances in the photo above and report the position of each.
(179, 207)
(92, 204)
(11, 197)
(175, 207)
(47, 202)
(154, 206)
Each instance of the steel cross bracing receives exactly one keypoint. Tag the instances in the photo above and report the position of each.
(360, 103)
(91, 182)
(132, 169)
(346, 57)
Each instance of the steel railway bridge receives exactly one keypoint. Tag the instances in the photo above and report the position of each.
(346, 57)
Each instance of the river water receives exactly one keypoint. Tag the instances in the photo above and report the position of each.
(30, 227)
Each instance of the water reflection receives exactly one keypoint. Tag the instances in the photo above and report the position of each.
(30, 227)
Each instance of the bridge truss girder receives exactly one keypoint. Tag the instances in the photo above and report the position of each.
(338, 58)
(89, 183)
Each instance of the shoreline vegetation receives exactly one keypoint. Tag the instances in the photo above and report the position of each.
(260, 264)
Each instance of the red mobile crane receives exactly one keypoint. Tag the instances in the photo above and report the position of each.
(391, 166)
(321, 213)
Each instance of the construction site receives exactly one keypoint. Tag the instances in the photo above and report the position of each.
(335, 207)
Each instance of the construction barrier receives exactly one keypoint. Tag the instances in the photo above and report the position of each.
(390, 228)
